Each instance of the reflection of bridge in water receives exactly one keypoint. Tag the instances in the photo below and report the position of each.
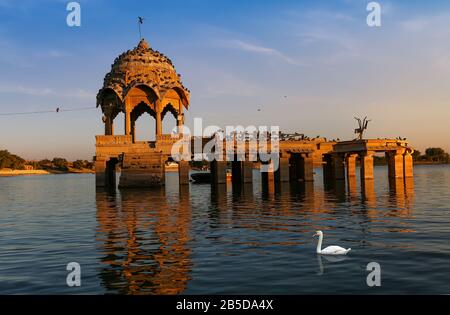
(149, 239)
(143, 80)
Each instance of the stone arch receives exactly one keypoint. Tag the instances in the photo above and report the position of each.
(106, 93)
(184, 98)
(169, 121)
(111, 105)
(137, 112)
(174, 102)
(141, 92)
(169, 108)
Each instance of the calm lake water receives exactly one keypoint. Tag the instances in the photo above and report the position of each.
(199, 240)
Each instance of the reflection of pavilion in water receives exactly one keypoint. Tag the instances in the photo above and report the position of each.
(144, 239)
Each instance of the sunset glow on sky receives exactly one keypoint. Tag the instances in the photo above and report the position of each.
(308, 66)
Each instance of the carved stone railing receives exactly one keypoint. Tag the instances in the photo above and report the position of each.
(119, 140)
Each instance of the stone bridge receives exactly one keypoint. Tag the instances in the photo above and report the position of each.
(144, 81)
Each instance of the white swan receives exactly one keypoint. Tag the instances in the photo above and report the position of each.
(330, 250)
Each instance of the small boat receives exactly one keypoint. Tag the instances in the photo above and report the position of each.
(204, 177)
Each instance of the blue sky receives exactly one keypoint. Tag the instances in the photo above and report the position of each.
(235, 57)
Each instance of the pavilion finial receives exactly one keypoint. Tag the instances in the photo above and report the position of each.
(143, 44)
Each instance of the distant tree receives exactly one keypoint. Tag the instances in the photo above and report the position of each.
(78, 164)
(60, 163)
(89, 165)
(416, 155)
(44, 164)
(437, 155)
(35, 165)
(8, 160)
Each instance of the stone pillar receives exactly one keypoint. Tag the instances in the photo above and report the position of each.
(350, 162)
(180, 122)
(219, 172)
(338, 167)
(183, 172)
(158, 124)
(133, 131)
(366, 159)
(127, 122)
(408, 164)
(308, 167)
(282, 173)
(395, 164)
(109, 131)
(100, 172)
(247, 172)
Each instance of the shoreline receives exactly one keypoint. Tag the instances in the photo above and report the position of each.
(11, 173)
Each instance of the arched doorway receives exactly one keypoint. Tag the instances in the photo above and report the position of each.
(169, 117)
(143, 128)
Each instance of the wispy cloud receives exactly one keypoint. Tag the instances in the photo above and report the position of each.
(19, 89)
(53, 54)
(24, 90)
(257, 49)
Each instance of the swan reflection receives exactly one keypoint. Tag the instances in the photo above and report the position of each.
(329, 259)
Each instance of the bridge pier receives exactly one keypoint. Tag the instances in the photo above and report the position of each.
(247, 172)
(236, 172)
(183, 172)
(366, 160)
(327, 167)
(338, 166)
(219, 172)
(268, 179)
(105, 171)
(308, 168)
(294, 168)
(395, 164)
(301, 167)
(350, 162)
(142, 170)
(408, 164)
(100, 171)
(282, 174)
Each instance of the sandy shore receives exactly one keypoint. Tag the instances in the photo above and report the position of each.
(9, 172)
(22, 172)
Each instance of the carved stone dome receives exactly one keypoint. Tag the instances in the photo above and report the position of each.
(143, 66)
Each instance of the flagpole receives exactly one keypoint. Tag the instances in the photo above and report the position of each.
(140, 21)
(139, 25)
